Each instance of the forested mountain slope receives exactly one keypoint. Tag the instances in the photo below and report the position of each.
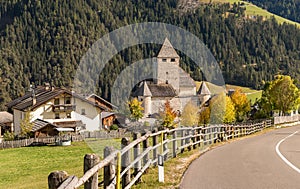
(43, 41)
(286, 8)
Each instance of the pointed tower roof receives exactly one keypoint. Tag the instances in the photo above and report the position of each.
(167, 50)
(143, 90)
(146, 90)
(204, 89)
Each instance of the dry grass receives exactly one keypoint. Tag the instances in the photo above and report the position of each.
(174, 169)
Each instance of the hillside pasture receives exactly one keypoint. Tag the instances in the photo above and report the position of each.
(253, 10)
(252, 94)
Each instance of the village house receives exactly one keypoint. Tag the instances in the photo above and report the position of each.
(51, 108)
(6, 123)
(170, 82)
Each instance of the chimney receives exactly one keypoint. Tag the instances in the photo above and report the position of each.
(47, 86)
(33, 98)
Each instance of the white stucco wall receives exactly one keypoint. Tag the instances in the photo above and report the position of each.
(18, 116)
(187, 91)
(91, 118)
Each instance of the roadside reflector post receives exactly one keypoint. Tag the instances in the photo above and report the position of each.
(161, 177)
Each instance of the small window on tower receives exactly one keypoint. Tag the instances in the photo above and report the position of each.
(56, 101)
(56, 115)
(68, 100)
(164, 60)
(172, 59)
(167, 82)
(167, 73)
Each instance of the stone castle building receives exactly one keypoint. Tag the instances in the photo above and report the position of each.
(169, 82)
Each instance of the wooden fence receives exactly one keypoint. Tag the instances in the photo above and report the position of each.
(106, 135)
(49, 140)
(123, 168)
(34, 141)
(286, 119)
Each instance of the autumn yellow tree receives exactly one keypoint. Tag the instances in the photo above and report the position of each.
(230, 112)
(168, 116)
(189, 116)
(136, 109)
(204, 116)
(241, 105)
(26, 125)
(221, 110)
(282, 94)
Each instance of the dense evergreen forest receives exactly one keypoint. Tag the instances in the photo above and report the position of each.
(43, 41)
(286, 8)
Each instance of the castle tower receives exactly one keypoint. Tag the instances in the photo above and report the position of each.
(168, 66)
(144, 95)
(204, 93)
(147, 100)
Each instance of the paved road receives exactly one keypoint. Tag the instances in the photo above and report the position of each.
(248, 163)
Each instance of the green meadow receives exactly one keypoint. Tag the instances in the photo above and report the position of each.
(29, 167)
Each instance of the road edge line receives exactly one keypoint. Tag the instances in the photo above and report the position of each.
(282, 156)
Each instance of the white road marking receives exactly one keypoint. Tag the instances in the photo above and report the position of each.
(282, 156)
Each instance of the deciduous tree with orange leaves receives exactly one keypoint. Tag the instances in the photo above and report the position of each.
(168, 116)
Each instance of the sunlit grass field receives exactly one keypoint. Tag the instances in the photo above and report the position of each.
(252, 94)
(29, 167)
(253, 10)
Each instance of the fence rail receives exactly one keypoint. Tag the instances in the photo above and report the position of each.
(123, 168)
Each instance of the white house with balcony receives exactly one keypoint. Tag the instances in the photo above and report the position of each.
(61, 108)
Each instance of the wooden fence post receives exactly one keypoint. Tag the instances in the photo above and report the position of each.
(165, 147)
(174, 144)
(154, 143)
(188, 140)
(136, 152)
(125, 162)
(199, 138)
(90, 160)
(145, 146)
(109, 170)
(182, 140)
(56, 178)
(194, 132)
(214, 134)
(204, 131)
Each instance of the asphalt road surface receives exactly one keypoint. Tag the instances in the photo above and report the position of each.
(249, 163)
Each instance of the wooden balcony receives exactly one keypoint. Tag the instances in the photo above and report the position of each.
(63, 108)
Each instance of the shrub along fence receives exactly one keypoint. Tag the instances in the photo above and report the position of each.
(123, 168)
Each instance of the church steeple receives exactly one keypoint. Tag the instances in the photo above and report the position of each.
(168, 66)
(167, 50)
(204, 93)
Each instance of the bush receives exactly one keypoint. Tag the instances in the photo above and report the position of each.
(8, 136)
(114, 127)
